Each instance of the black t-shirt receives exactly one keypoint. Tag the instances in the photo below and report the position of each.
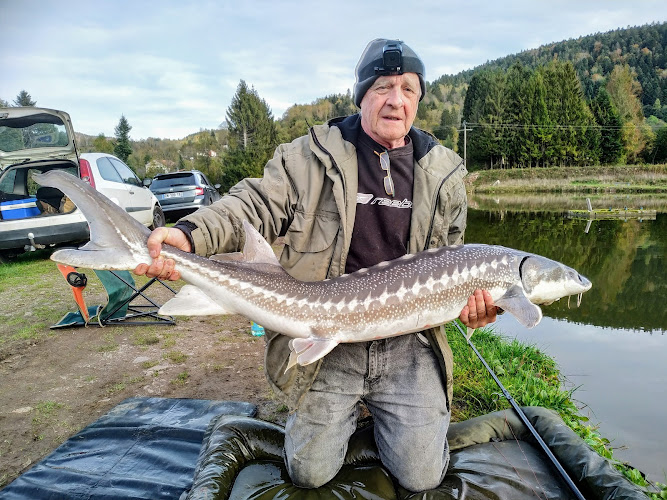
(382, 222)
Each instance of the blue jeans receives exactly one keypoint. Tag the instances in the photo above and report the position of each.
(400, 382)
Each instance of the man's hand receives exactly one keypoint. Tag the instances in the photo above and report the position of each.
(160, 267)
(479, 311)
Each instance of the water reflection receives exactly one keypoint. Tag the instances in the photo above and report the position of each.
(614, 344)
(623, 259)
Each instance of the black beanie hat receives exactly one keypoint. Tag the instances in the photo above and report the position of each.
(371, 66)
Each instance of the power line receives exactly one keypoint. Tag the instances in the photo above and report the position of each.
(554, 126)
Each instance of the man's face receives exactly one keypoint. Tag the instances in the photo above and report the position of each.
(389, 108)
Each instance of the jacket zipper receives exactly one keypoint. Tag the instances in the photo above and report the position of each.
(431, 338)
(435, 205)
(342, 178)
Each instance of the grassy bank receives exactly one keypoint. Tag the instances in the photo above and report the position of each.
(533, 379)
(597, 179)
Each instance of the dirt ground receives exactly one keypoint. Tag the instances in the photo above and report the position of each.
(55, 382)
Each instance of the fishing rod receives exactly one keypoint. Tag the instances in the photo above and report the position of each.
(524, 419)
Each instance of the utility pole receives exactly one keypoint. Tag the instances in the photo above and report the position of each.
(465, 142)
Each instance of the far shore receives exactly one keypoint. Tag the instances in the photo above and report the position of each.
(629, 179)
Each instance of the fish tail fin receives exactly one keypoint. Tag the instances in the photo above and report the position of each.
(117, 240)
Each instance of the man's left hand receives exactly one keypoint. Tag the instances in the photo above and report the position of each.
(479, 311)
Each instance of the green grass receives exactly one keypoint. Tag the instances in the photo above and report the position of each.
(122, 385)
(145, 337)
(45, 416)
(110, 343)
(176, 356)
(532, 379)
(29, 267)
(590, 179)
(181, 378)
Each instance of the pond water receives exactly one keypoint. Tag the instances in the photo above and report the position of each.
(612, 348)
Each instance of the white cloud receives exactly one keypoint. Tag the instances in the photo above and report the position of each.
(172, 67)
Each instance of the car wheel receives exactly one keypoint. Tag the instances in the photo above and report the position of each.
(159, 219)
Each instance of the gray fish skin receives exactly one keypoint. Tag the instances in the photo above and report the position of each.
(405, 295)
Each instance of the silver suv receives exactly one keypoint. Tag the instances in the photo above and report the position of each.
(183, 192)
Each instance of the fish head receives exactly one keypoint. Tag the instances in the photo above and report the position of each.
(545, 280)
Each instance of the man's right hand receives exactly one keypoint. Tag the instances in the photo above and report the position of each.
(162, 268)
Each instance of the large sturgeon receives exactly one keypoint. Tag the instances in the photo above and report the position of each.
(405, 295)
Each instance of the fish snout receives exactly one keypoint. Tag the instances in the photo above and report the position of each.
(585, 282)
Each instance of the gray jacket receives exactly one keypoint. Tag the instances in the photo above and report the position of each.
(308, 195)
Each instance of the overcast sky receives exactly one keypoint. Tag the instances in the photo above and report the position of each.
(172, 67)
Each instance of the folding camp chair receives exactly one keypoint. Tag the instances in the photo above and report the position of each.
(127, 304)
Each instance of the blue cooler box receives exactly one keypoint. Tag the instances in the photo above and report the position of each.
(19, 209)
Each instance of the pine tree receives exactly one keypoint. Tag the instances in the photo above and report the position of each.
(250, 120)
(568, 110)
(484, 107)
(611, 138)
(542, 130)
(24, 99)
(252, 136)
(123, 149)
(659, 153)
(517, 116)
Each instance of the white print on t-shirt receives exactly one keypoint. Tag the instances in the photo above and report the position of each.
(366, 199)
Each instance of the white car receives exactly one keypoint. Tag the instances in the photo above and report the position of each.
(35, 140)
(113, 178)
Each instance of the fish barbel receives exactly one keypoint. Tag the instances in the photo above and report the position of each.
(405, 295)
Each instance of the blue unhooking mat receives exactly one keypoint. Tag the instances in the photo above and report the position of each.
(144, 448)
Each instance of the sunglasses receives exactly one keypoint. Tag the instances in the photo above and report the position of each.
(384, 164)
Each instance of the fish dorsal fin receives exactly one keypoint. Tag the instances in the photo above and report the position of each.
(191, 301)
(516, 302)
(256, 248)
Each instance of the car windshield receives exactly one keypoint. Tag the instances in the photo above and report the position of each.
(34, 131)
(173, 180)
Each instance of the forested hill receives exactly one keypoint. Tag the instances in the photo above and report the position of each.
(596, 99)
(643, 48)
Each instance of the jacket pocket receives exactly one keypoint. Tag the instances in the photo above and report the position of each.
(312, 232)
(310, 243)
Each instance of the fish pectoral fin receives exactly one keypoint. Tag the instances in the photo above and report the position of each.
(516, 302)
(308, 350)
(470, 332)
(191, 301)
